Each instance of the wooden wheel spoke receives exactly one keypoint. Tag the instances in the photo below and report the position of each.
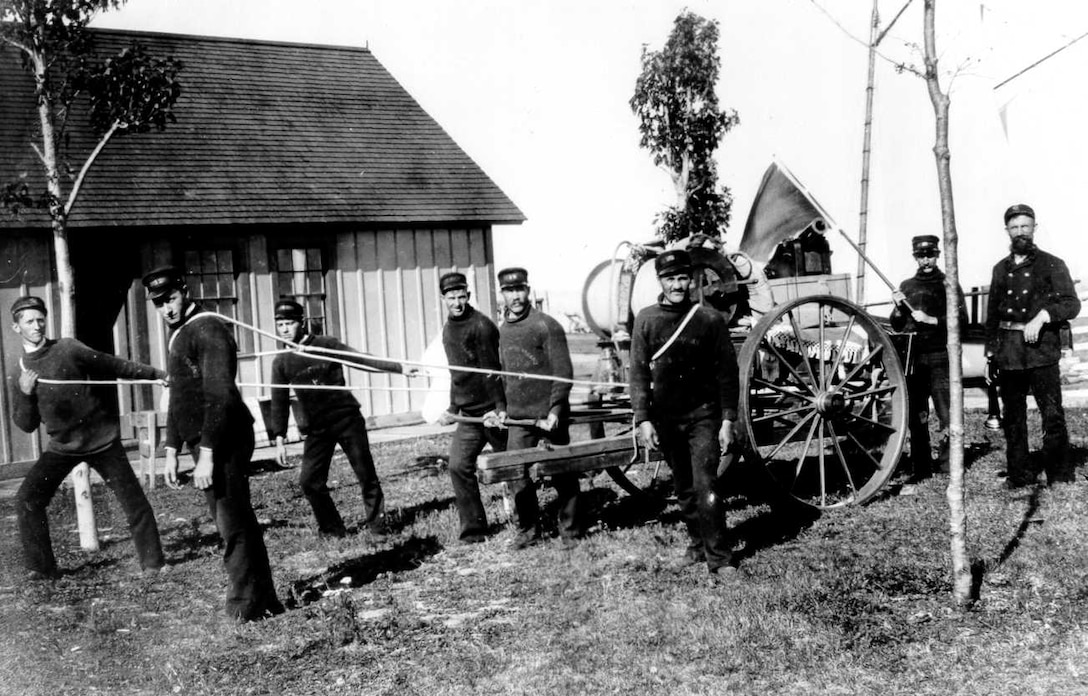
(876, 424)
(823, 471)
(863, 449)
(789, 435)
(842, 459)
(840, 352)
(782, 360)
(863, 363)
(781, 390)
(801, 347)
(782, 414)
(804, 451)
(823, 383)
(870, 392)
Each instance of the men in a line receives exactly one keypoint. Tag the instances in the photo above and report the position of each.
(471, 340)
(532, 343)
(207, 414)
(83, 427)
(328, 418)
(1031, 294)
(920, 308)
(684, 393)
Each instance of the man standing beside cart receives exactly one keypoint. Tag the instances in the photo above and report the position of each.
(471, 340)
(1031, 295)
(533, 343)
(684, 393)
(920, 309)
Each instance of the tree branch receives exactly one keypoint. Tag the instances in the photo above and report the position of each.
(74, 193)
(38, 151)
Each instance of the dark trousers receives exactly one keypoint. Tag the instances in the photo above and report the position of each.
(692, 451)
(928, 379)
(251, 594)
(468, 441)
(1044, 383)
(317, 451)
(41, 484)
(526, 505)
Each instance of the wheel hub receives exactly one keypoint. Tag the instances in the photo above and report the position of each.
(830, 403)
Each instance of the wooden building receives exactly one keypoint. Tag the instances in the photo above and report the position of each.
(293, 170)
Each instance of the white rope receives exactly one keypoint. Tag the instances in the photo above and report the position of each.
(415, 363)
(329, 387)
(99, 381)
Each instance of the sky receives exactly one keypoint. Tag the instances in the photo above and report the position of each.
(537, 93)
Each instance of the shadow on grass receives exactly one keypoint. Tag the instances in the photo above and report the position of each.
(407, 516)
(779, 524)
(980, 567)
(361, 571)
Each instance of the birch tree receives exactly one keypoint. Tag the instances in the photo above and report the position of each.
(961, 568)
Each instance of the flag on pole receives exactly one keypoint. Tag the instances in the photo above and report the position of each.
(782, 209)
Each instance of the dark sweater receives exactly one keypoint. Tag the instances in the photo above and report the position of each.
(698, 371)
(1019, 291)
(472, 340)
(205, 404)
(535, 344)
(321, 408)
(80, 418)
(925, 291)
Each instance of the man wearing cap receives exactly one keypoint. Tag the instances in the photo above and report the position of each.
(206, 413)
(82, 423)
(328, 417)
(471, 340)
(533, 343)
(920, 309)
(684, 392)
(1031, 295)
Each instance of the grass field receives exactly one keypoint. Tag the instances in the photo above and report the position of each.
(851, 602)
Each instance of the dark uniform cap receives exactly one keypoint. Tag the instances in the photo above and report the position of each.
(452, 281)
(1019, 209)
(289, 309)
(672, 262)
(162, 281)
(513, 278)
(28, 302)
(926, 245)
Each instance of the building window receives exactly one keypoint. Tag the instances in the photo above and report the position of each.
(300, 275)
(210, 274)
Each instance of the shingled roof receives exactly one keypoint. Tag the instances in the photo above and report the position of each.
(267, 133)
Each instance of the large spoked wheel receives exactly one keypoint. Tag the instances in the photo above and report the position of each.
(823, 401)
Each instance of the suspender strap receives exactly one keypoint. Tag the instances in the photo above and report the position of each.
(675, 334)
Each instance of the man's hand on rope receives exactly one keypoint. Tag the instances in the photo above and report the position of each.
(28, 380)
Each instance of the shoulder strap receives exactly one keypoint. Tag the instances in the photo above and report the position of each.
(676, 334)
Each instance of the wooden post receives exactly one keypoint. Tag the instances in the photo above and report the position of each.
(81, 486)
(147, 436)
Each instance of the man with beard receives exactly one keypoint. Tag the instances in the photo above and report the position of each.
(920, 308)
(82, 427)
(684, 392)
(532, 343)
(471, 340)
(206, 413)
(1031, 295)
(330, 417)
